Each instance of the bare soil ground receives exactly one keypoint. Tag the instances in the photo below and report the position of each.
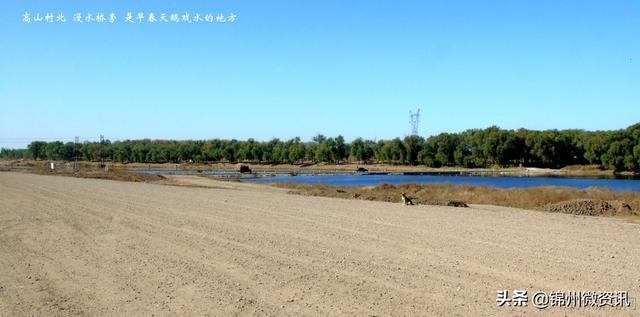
(76, 246)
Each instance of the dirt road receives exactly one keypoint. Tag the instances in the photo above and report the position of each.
(73, 246)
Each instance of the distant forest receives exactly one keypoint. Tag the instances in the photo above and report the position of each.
(617, 150)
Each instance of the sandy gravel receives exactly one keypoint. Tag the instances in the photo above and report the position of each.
(73, 246)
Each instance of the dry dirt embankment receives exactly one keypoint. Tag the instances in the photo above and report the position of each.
(592, 201)
(72, 246)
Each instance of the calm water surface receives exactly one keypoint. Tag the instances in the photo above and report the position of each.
(373, 180)
(495, 181)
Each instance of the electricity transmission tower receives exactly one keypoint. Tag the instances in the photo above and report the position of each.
(414, 121)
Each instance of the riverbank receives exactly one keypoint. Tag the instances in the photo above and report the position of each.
(547, 198)
(588, 171)
(323, 168)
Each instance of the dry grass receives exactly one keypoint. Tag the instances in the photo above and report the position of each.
(526, 198)
(121, 176)
(86, 170)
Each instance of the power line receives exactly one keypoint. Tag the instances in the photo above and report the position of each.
(27, 140)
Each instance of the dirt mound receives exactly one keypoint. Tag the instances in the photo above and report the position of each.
(591, 207)
(438, 202)
(456, 203)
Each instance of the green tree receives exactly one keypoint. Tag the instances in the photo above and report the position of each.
(361, 150)
(340, 149)
(618, 155)
(122, 152)
(297, 151)
(323, 152)
(413, 145)
(393, 152)
(37, 150)
(53, 150)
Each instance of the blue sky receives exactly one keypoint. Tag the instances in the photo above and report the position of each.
(298, 68)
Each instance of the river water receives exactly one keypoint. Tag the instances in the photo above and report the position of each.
(394, 179)
(495, 181)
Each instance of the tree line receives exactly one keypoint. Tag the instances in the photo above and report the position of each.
(618, 149)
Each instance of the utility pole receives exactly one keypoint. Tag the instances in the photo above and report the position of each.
(75, 150)
(414, 122)
(100, 152)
